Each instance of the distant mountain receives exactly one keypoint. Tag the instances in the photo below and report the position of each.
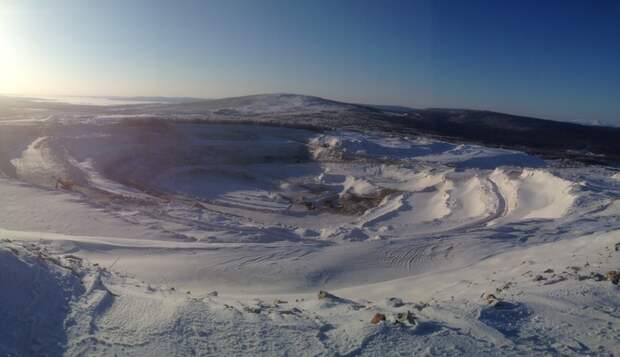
(266, 104)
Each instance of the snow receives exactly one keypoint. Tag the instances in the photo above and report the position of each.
(534, 194)
(161, 216)
(84, 309)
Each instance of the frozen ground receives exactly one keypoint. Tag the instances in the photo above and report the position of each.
(133, 237)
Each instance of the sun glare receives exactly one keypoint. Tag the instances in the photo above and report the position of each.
(8, 58)
(15, 76)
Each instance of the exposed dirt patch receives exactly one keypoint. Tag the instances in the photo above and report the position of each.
(348, 203)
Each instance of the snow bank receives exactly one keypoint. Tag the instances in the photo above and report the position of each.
(462, 156)
(35, 302)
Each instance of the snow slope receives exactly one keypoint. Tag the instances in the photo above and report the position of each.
(81, 309)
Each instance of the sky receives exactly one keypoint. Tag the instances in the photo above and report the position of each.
(556, 59)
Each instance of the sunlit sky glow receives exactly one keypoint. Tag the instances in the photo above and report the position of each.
(554, 59)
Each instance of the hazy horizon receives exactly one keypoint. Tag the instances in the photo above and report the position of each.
(557, 60)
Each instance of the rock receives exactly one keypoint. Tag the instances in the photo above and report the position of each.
(490, 299)
(395, 302)
(506, 286)
(251, 309)
(421, 306)
(64, 184)
(597, 276)
(278, 302)
(555, 280)
(539, 278)
(309, 205)
(617, 247)
(377, 318)
(293, 311)
(325, 295)
(613, 276)
(213, 294)
(548, 271)
(405, 318)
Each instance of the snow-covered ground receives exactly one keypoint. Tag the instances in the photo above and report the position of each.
(173, 238)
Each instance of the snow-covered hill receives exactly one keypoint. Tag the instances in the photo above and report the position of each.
(266, 104)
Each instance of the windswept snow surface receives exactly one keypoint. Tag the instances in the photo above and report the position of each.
(114, 235)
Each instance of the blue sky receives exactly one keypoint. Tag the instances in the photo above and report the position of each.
(554, 59)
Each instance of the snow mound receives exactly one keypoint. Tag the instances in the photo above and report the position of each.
(533, 194)
(359, 187)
